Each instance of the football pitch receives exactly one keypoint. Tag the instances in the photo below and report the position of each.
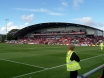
(45, 61)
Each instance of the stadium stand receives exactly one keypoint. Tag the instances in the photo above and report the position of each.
(65, 40)
(59, 33)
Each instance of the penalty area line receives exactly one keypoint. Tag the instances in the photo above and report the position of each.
(22, 63)
(53, 67)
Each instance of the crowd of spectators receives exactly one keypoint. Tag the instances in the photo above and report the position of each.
(65, 40)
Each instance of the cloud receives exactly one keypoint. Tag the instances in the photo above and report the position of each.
(64, 3)
(89, 21)
(42, 10)
(28, 18)
(76, 3)
(26, 23)
(10, 26)
(55, 13)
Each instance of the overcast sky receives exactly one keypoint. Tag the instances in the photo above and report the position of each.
(17, 14)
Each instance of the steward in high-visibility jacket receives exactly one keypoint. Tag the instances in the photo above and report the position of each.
(72, 61)
(101, 45)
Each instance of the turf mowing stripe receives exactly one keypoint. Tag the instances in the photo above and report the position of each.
(89, 50)
(22, 63)
(87, 53)
(54, 67)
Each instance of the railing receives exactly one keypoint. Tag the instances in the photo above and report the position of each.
(86, 75)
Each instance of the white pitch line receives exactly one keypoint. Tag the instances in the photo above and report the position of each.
(92, 57)
(22, 63)
(54, 67)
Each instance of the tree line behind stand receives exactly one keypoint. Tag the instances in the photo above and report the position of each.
(9, 35)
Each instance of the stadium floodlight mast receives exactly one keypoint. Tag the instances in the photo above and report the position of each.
(6, 28)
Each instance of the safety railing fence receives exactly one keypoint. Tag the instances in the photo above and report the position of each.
(86, 75)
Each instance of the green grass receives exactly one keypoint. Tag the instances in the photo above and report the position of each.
(21, 60)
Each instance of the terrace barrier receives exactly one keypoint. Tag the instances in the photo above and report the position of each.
(86, 75)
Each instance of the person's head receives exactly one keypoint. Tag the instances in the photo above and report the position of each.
(71, 47)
